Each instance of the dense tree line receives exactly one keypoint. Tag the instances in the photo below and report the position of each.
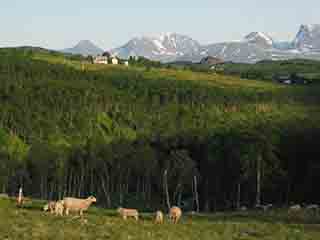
(144, 137)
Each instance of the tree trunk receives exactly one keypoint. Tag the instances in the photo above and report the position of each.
(165, 183)
(196, 195)
(258, 194)
(239, 195)
(207, 200)
(106, 192)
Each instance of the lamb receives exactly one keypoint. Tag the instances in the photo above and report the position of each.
(264, 207)
(50, 206)
(4, 196)
(77, 205)
(125, 213)
(312, 207)
(294, 208)
(59, 207)
(159, 217)
(175, 214)
(243, 208)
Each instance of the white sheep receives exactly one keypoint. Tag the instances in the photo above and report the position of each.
(125, 213)
(175, 214)
(59, 207)
(295, 209)
(77, 205)
(159, 217)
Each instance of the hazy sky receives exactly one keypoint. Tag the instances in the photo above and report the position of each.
(58, 24)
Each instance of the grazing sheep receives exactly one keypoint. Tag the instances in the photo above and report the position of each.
(312, 207)
(243, 208)
(59, 207)
(77, 205)
(4, 196)
(263, 207)
(125, 213)
(175, 214)
(294, 209)
(159, 217)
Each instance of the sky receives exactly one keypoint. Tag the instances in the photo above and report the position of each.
(58, 24)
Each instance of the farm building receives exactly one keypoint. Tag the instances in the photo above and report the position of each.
(100, 60)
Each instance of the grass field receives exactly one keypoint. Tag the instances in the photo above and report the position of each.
(31, 223)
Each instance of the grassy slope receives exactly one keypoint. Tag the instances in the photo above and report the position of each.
(31, 223)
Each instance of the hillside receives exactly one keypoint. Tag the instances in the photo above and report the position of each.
(73, 128)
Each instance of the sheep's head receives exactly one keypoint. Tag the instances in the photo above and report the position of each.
(119, 209)
(92, 199)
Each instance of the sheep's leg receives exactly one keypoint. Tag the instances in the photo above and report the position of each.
(67, 211)
(137, 218)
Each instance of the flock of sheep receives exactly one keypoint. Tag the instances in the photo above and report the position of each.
(292, 210)
(67, 205)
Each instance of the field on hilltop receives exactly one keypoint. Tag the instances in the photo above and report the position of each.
(31, 223)
(146, 136)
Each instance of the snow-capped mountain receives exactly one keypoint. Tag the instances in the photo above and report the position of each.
(260, 39)
(254, 47)
(308, 38)
(165, 47)
(84, 47)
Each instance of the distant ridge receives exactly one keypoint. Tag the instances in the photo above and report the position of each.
(84, 47)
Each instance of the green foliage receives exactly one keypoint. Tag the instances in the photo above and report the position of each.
(268, 70)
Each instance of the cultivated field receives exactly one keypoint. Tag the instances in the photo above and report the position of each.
(31, 223)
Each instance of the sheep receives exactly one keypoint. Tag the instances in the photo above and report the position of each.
(312, 207)
(294, 209)
(263, 207)
(125, 213)
(159, 217)
(175, 214)
(77, 205)
(243, 208)
(4, 196)
(59, 207)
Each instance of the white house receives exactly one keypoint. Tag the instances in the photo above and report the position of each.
(100, 60)
(114, 61)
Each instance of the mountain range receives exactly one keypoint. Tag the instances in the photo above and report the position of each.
(254, 47)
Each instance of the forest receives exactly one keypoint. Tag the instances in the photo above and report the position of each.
(149, 137)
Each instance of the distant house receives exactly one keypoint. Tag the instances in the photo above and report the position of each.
(100, 60)
(114, 61)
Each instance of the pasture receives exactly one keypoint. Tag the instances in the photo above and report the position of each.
(31, 222)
